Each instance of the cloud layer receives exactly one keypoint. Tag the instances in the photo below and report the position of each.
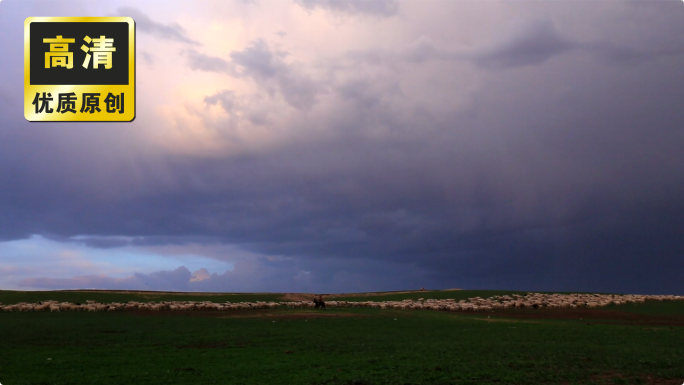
(380, 8)
(143, 24)
(532, 146)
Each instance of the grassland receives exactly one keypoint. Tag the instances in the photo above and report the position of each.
(625, 344)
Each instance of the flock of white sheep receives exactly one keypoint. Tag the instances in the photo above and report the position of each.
(530, 300)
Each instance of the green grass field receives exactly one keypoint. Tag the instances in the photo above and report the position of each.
(341, 346)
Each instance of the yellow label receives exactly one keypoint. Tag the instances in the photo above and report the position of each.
(79, 69)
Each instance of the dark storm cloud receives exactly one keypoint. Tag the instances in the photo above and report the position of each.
(103, 242)
(550, 208)
(145, 24)
(380, 8)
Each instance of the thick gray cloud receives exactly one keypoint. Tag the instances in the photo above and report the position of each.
(145, 24)
(381, 8)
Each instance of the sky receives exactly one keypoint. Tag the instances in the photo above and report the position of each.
(335, 146)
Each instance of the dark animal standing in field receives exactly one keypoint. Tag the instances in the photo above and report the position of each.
(318, 302)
